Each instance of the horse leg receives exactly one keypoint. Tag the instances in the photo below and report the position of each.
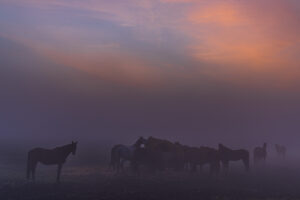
(193, 167)
(33, 168)
(255, 160)
(225, 165)
(186, 166)
(211, 168)
(264, 159)
(214, 168)
(201, 168)
(122, 164)
(246, 163)
(118, 164)
(58, 172)
(28, 170)
(217, 167)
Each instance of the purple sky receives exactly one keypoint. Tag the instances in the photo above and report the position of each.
(200, 72)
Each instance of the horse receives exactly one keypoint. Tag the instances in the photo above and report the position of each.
(211, 156)
(281, 150)
(200, 156)
(121, 153)
(227, 154)
(186, 156)
(163, 154)
(260, 153)
(56, 156)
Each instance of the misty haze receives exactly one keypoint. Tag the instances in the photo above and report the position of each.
(158, 99)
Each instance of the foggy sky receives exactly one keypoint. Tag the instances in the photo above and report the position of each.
(200, 72)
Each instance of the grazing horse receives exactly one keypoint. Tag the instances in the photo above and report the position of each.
(227, 154)
(121, 153)
(200, 156)
(281, 150)
(211, 156)
(56, 156)
(164, 154)
(260, 153)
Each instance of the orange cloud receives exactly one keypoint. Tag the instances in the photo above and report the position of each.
(221, 14)
(227, 32)
(117, 67)
(257, 37)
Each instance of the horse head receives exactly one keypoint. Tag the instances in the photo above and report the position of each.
(140, 141)
(265, 145)
(73, 147)
(221, 146)
(177, 143)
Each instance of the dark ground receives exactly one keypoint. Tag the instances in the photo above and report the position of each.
(91, 183)
(86, 177)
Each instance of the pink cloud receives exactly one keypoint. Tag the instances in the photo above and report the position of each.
(259, 37)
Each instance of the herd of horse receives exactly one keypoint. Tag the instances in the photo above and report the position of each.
(158, 154)
(155, 154)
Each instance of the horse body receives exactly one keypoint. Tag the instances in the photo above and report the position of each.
(260, 153)
(56, 156)
(195, 156)
(227, 155)
(280, 149)
(163, 154)
(46, 156)
(121, 153)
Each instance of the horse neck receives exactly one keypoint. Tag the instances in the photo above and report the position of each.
(137, 144)
(134, 146)
(65, 150)
(264, 148)
(224, 149)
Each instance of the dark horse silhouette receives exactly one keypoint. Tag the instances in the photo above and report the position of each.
(260, 153)
(163, 154)
(200, 156)
(226, 154)
(121, 153)
(281, 150)
(56, 156)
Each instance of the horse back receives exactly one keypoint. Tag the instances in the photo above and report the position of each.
(258, 151)
(122, 151)
(45, 156)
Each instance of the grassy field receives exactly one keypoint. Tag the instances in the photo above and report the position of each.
(97, 182)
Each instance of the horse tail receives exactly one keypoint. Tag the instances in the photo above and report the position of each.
(247, 161)
(112, 162)
(28, 166)
(114, 157)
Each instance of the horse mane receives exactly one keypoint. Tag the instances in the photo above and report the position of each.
(222, 147)
(139, 142)
(63, 147)
(265, 145)
(163, 145)
(153, 139)
(207, 148)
